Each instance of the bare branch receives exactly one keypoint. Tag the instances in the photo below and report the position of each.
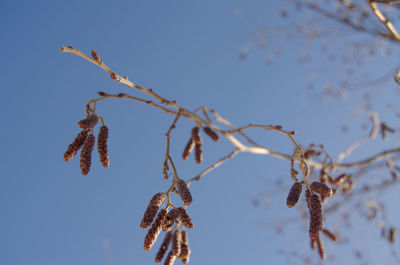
(388, 24)
(213, 166)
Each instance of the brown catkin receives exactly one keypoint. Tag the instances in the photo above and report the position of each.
(321, 250)
(163, 248)
(198, 144)
(391, 235)
(185, 218)
(315, 216)
(330, 235)
(323, 175)
(152, 209)
(198, 153)
(185, 238)
(185, 249)
(313, 243)
(86, 154)
(170, 259)
(210, 132)
(294, 194)
(170, 219)
(321, 188)
(308, 197)
(102, 146)
(309, 153)
(75, 146)
(89, 122)
(176, 242)
(154, 230)
(188, 149)
(184, 192)
(196, 135)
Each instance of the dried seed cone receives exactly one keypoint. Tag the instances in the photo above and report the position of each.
(294, 194)
(86, 154)
(185, 218)
(154, 230)
(102, 146)
(170, 219)
(75, 146)
(170, 259)
(198, 152)
(188, 149)
(321, 188)
(152, 210)
(89, 122)
(196, 135)
(184, 192)
(210, 132)
(176, 243)
(163, 247)
(315, 216)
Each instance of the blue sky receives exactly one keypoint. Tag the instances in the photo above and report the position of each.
(187, 51)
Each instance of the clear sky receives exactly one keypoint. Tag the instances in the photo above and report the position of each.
(187, 51)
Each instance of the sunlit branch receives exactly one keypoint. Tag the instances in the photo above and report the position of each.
(213, 166)
(384, 19)
(347, 22)
(165, 106)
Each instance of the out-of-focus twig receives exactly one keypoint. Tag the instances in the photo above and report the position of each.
(372, 135)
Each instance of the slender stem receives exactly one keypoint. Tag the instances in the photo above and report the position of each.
(388, 24)
(167, 155)
(168, 106)
(213, 166)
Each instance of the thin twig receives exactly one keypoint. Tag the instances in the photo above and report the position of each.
(124, 95)
(213, 166)
(388, 24)
(369, 160)
(167, 155)
(240, 147)
(372, 135)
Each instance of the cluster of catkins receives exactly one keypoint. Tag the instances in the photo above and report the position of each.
(195, 142)
(165, 220)
(314, 193)
(87, 143)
